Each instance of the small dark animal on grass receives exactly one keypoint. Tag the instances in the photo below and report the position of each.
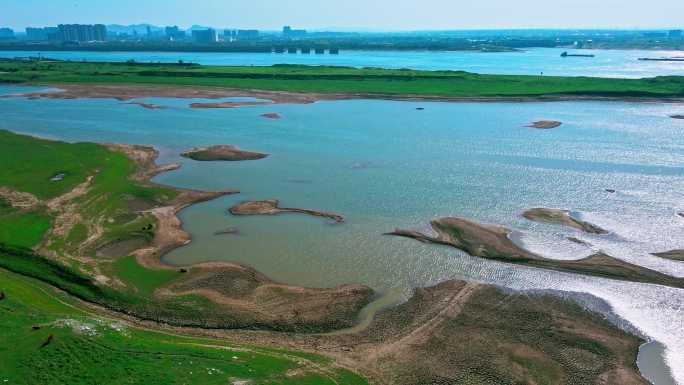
(35, 327)
(49, 340)
(2, 295)
(183, 270)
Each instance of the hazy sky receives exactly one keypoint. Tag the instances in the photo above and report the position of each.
(362, 14)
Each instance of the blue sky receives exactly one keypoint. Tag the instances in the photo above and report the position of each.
(362, 14)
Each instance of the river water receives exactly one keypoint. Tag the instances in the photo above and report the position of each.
(533, 61)
(385, 164)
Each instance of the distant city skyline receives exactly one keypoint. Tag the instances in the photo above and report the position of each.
(378, 15)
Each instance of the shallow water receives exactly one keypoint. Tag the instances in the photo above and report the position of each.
(533, 61)
(384, 164)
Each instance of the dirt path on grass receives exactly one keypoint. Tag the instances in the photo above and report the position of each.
(19, 200)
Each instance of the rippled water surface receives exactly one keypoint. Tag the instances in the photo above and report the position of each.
(385, 164)
(533, 61)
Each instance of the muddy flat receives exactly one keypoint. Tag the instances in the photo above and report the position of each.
(222, 153)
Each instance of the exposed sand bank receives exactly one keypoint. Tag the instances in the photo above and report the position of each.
(493, 242)
(545, 124)
(675, 255)
(561, 217)
(149, 106)
(227, 104)
(270, 207)
(222, 153)
(271, 115)
(136, 91)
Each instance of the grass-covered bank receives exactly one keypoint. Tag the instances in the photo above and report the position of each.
(52, 340)
(340, 80)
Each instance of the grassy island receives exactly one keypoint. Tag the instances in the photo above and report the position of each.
(326, 80)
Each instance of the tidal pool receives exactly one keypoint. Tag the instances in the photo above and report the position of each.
(385, 164)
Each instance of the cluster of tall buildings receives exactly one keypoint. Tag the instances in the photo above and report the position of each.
(209, 35)
(84, 33)
(68, 33)
(6, 33)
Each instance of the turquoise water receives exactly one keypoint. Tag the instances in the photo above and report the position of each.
(384, 164)
(533, 61)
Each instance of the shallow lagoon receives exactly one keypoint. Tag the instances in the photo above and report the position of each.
(384, 164)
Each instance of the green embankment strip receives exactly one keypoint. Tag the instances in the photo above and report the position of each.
(85, 349)
(326, 79)
(145, 280)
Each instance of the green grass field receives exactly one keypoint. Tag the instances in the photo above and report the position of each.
(30, 163)
(325, 79)
(86, 349)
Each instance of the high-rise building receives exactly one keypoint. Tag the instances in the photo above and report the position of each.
(82, 32)
(247, 34)
(6, 34)
(36, 34)
(240, 34)
(290, 33)
(174, 33)
(205, 35)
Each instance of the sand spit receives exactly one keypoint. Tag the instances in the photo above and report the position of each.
(271, 115)
(227, 104)
(149, 106)
(228, 231)
(674, 255)
(545, 124)
(561, 217)
(222, 153)
(493, 242)
(270, 207)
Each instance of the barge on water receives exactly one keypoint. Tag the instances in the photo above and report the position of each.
(566, 54)
(681, 59)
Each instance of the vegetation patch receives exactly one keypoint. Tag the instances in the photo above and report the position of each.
(143, 279)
